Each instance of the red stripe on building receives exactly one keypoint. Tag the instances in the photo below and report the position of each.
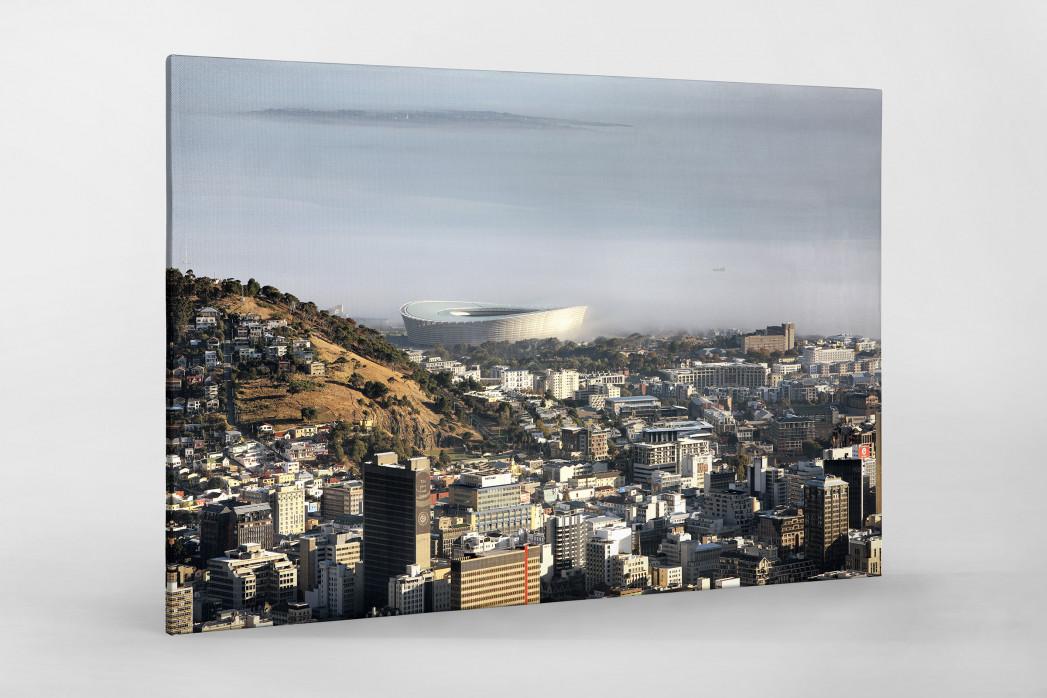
(526, 597)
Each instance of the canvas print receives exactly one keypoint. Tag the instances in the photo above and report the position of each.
(444, 340)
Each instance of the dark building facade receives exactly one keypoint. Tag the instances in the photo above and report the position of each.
(227, 526)
(860, 492)
(781, 527)
(825, 517)
(396, 522)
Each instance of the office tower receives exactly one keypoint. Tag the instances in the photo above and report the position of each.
(407, 592)
(342, 498)
(250, 576)
(342, 548)
(567, 534)
(767, 484)
(878, 497)
(179, 605)
(497, 578)
(630, 571)
(339, 591)
(574, 439)
(287, 503)
(491, 503)
(227, 526)
(781, 527)
(735, 508)
(851, 471)
(396, 522)
(825, 517)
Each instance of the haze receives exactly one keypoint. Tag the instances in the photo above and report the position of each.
(370, 187)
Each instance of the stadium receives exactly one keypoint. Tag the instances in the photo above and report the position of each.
(464, 322)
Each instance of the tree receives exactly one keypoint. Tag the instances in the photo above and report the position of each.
(741, 465)
(443, 458)
(811, 449)
(309, 413)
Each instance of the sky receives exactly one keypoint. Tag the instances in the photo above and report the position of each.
(659, 204)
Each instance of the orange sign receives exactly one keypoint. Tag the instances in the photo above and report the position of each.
(863, 452)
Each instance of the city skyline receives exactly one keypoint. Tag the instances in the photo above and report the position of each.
(371, 186)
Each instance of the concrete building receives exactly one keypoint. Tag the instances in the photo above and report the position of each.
(492, 503)
(788, 432)
(339, 591)
(666, 576)
(827, 355)
(497, 578)
(727, 374)
(292, 613)
(249, 576)
(781, 338)
(630, 571)
(568, 535)
(825, 516)
(735, 508)
(227, 526)
(287, 503)
(313, 549)
(342, 498)
(178, 605)
(864, 552)
(562, 384)
(396, 522)
(663, 448)
(407, 591)
(781, 528)
(768, 484)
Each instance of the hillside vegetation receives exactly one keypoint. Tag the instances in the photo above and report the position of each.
(369, 385)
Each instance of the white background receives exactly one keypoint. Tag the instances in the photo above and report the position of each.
(83, 221)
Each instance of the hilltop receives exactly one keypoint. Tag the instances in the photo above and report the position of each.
(367, 383)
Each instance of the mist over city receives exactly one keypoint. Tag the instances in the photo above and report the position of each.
(661, 205)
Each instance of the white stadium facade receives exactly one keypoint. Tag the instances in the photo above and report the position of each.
(466, 322)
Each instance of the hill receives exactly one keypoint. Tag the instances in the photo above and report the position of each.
(368, 384)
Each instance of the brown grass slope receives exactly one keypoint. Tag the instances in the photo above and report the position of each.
(265, 400)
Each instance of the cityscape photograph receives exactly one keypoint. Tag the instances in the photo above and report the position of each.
(446, 340)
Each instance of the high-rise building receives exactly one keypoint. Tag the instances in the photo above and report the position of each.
(396, 522)
(825, 517)
(767, 484)
(734, 507)
(491, 502)
(227, 526)
(782, 528)
(287, 503)
(342, 548)
(342, 498)
(179, 605)
(338, 592)
(781, 338)
(497, 578)
(788, 432)
(663, 448)
(567, 534)
(853, 472)
(562, 384)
